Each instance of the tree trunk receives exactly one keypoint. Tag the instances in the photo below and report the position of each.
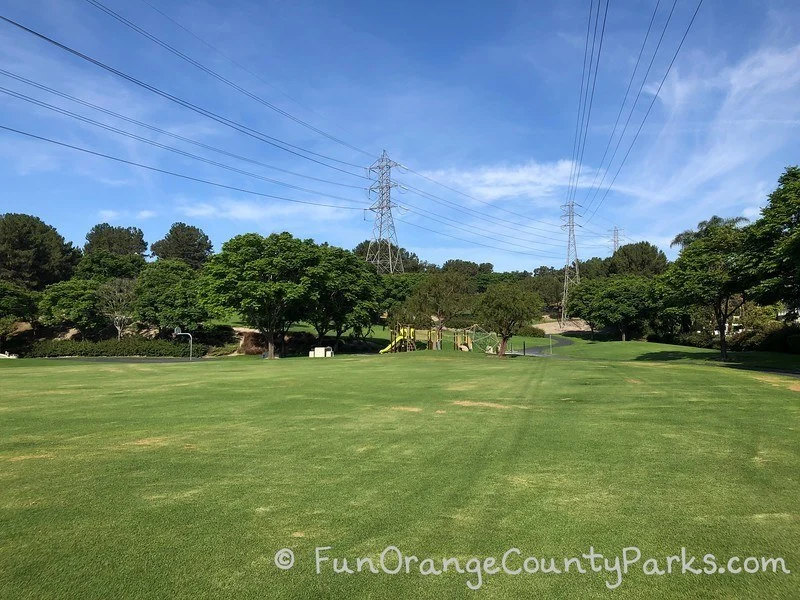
(270, 345)
(503, 343)
(623, 335)
(722, 323)
(119, 333)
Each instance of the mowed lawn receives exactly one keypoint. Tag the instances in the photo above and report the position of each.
(182, 480)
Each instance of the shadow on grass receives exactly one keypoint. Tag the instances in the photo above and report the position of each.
(769, 362)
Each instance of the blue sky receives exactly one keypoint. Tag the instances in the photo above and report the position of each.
(479, 96)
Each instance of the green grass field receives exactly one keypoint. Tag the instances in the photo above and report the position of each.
(155, 480)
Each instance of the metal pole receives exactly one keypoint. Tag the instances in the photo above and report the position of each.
(551, 344)
(523, 348)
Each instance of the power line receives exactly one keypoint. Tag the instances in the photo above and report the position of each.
(272, 141)
(466, 195)
(649, 108)
(625, 98)
(579, 165)
(171, 134)
(633, 107)
(584, 84)
(172, 173)
(99, 5)
(164, 146)
(229, 59)
(440, 233)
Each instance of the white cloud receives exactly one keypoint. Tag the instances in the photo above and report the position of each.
(109, 215)
(146, 214)
(531, 180)
(261, 213)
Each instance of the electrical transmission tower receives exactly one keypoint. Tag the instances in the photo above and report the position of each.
(383, 251)
(571, 272)
(615, 239)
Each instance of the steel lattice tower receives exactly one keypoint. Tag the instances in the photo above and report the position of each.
(383, 251)
(615, 239)
(571, 272)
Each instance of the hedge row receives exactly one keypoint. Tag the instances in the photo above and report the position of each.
(530, 331)
(775, 337)
(128, 346)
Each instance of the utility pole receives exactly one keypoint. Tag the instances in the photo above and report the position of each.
(615, 239)
(571, 272)
(383, 251)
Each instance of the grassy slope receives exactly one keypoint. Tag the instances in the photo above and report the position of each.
(182, 480)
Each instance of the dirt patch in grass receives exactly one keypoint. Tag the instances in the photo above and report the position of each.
(407, 408)
(462, 386)
(469, 403)
(636, 381)
(29, 457)
(787, 383)
(441, 412)
(148, 442)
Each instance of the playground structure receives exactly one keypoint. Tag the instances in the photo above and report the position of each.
(404, 339)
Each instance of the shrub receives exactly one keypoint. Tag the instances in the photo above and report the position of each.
(793, 343)
(531, 331)
(127, 346)
(225, 350)
(772, 337)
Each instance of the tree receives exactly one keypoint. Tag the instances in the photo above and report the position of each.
(115, 240)
(505, 307)
(688, 236)
(102, 265)
(72, 303)
(184, 242)
(411, 262)
(265, 279)
(708, 273)
(641, 258)
(168, 296)
(117, 301)
(620, 301)
(16, 304)
(466, 267)
(32, 253)
(772, 245)
(440, 296)
(593, 268)
(346, 292)
(549, 285)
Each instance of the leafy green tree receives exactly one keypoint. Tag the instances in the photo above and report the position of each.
(115, 240)
(168, 296)
(117, 302)
(441, 296)
(688, 236)
(548, 285)
(773, 245)
(411, 262)
(32, 253)
(466, 267)
(395, 289)
(265, 279)
(620, 301)
(709, 273)
(593, 268)
(16, 304)
(641, 258)
(346, 292)
(102, 265)
(505, 308)
(72, 303)
(184, 242)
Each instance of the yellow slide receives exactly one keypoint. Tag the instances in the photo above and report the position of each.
(393, 345)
